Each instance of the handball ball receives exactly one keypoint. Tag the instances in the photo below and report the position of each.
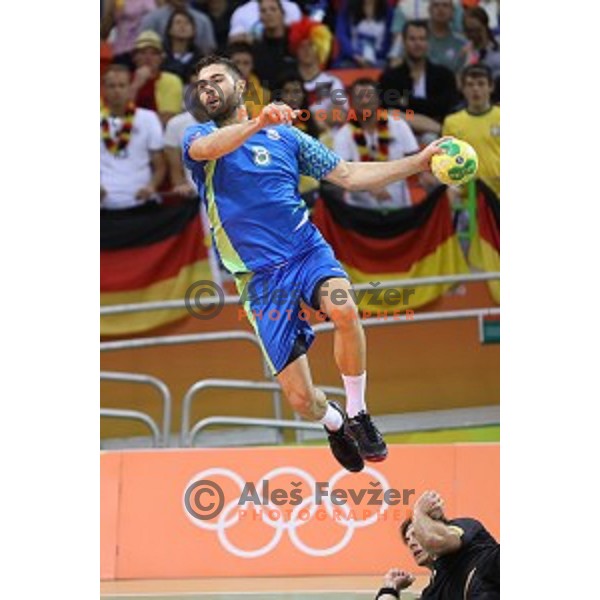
(457, 165)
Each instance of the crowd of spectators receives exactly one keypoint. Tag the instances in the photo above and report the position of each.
(437, 59)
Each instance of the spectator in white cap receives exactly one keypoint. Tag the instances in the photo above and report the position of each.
(151, 87)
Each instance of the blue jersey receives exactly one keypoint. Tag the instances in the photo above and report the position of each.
(257, 216)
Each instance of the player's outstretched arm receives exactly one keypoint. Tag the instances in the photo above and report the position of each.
(356, 176)
(230, 137)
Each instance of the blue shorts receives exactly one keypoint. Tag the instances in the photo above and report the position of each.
(272, 298)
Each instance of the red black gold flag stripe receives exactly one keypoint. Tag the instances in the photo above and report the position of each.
(484, 252)
(418, 241)
(149, 253)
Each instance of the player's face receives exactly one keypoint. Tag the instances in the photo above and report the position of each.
(270, 14)
(415, 43)
(421, 557)
(441, 11)
(116, 88)
(477, 92)
(217, 91)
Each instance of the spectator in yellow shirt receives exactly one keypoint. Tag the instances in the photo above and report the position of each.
(152, 88)
(479, 123)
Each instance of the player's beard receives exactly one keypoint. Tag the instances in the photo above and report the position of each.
(227, 112)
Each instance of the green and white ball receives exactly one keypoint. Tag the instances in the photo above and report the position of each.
(457, 165)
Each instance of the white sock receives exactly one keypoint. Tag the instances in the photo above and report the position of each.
(333, 419)
(355, 386)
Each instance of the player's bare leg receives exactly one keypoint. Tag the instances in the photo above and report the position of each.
(304, 397)
(349, 347)
(311, 403)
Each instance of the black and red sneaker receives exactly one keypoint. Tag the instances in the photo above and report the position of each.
(343, 445)
(370, 442)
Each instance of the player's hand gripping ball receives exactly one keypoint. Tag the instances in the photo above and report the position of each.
(457, 165)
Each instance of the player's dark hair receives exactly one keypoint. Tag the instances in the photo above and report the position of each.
(214, 59)
(420, 23)
(477, 71)
(404, 528)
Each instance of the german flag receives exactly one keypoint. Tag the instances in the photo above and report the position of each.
(484, 252)
(375, 246)
(149, 253)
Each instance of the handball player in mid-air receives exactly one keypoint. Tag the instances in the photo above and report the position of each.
(247, 172)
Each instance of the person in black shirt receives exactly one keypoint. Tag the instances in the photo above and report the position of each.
(219, 12)
(181, 53)
(419, 85)
(271, 54)
(462, 555)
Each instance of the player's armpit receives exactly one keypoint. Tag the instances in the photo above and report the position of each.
(457, 530)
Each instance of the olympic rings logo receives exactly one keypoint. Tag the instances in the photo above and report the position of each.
(204, 500)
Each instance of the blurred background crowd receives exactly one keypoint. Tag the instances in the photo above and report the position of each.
(433, 64)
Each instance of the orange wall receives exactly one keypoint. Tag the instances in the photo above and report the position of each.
(110, 476)
(411, 367)
(147, 533)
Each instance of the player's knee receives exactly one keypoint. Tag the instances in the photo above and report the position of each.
(345, 316)
(303, 402)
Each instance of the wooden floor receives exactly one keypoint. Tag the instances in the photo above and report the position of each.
(284, 588)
